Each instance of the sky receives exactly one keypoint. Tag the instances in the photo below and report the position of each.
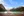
(12, 3)
(8, 4)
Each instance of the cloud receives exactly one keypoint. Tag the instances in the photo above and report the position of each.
(9, 8)
(21, 3)
(21, 6)
(1, 1)
(4, 4)
(16, 3)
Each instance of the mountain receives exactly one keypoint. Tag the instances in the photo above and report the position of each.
(18, 9)
(2, 8)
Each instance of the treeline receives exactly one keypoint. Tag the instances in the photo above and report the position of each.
(18, 9)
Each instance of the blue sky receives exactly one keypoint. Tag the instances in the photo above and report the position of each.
(14, 3)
